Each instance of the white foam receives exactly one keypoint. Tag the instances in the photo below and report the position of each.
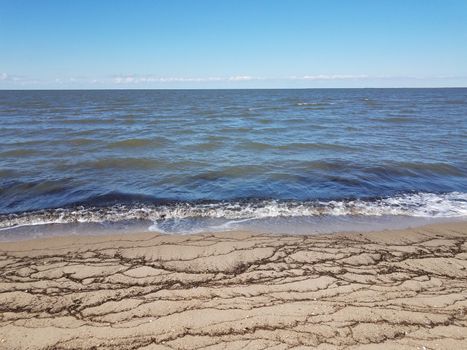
(428, 205)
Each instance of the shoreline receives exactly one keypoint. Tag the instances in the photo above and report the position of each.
(403, 289)
(288, 226)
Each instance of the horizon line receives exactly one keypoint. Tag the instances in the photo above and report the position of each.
(247, 88)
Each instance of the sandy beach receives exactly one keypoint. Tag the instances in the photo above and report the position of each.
(403, 289)
(245, 175)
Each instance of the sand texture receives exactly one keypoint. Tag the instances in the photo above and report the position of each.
(402, 289)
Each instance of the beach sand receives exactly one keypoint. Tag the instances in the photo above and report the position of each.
(404, 289)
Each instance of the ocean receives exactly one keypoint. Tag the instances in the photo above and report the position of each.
(185, 161)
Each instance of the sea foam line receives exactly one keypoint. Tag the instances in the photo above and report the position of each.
(432, 205)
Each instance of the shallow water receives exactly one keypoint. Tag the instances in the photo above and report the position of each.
(151, 156)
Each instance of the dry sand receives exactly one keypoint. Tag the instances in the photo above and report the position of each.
(402, 289)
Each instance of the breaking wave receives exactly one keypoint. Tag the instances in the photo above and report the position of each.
(428, 205)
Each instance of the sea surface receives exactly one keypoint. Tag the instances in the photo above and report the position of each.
(182, 161)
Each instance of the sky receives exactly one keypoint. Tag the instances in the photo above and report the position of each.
(166, 44)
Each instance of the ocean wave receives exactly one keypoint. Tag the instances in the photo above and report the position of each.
(429, 205)
(137, 143)
(123, 163)
(295, 146)
(21, 152)
(315, 146)
(394, 119)
(87, 120)
(315, 103)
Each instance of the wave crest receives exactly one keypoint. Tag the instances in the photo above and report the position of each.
(433, 205)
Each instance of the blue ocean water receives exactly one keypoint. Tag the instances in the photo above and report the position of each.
(155, 157)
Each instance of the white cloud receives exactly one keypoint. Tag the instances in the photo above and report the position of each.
(330, 77)
(145, 79)
(9, 77)
(244, 78)
(138, 79)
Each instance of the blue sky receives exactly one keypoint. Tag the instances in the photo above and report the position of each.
(232, 43)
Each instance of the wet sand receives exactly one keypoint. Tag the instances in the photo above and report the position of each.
(403, 289)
